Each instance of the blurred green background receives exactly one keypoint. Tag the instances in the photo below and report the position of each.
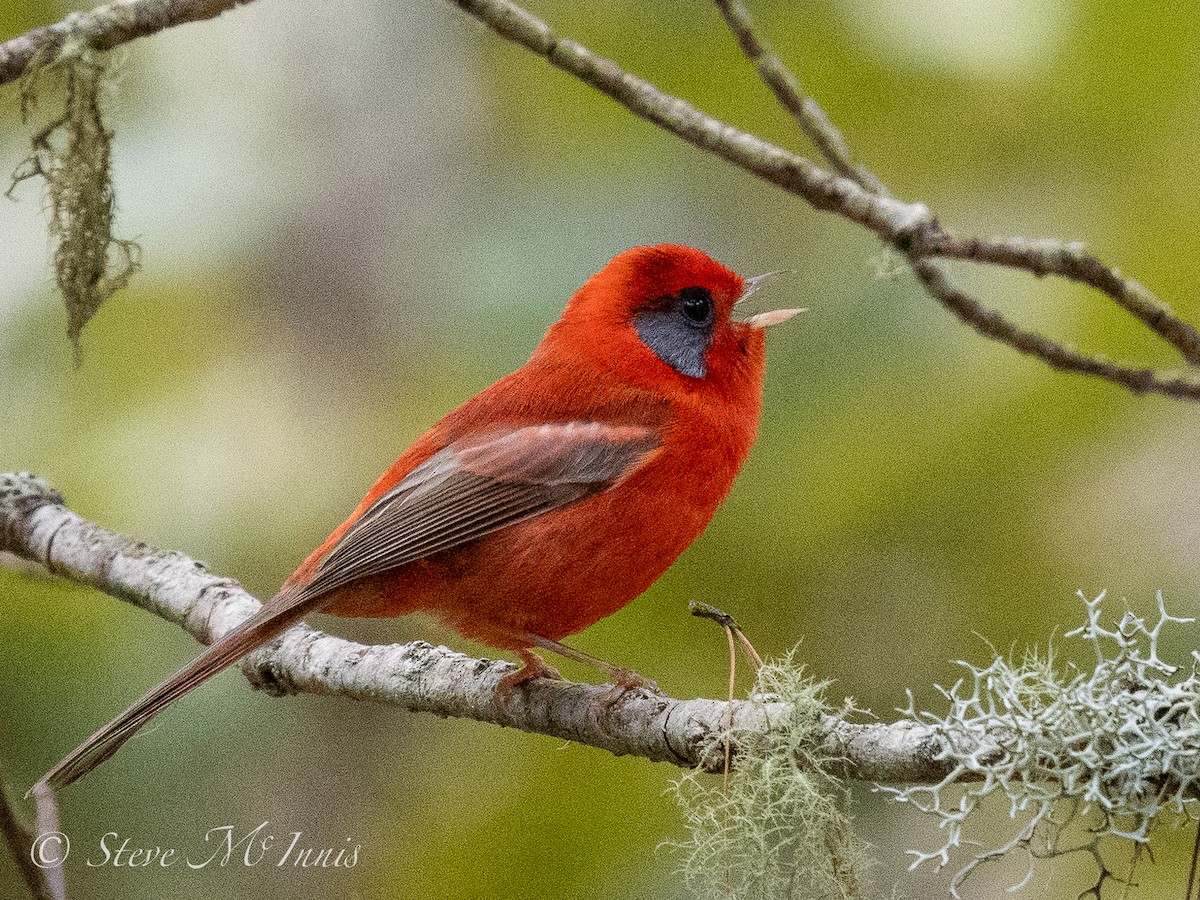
(355, 215)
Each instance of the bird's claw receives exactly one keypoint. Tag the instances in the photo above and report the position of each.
(513, 681)
(624, 681)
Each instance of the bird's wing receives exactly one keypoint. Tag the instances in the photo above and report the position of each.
(473, 487)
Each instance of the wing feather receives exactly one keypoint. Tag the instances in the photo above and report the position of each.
(471, 489)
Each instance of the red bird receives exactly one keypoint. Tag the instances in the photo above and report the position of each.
(551, 499)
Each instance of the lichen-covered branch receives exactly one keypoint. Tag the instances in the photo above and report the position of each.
(35, 525)
(1088, 759)
(855, 193)
(106, 27)
(1103, 750)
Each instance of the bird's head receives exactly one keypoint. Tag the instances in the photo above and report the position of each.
(668, 312)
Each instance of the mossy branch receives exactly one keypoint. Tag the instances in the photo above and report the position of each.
(72, 153)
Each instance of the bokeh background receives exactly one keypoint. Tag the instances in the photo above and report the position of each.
(355, 215)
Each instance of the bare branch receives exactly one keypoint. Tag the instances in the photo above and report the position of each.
(992, 324)
(45, 882)
(1073, 262)
(804, 109)
(35, 525)
(891, 219)
(908, 227)
(854, 193)
(106, 27)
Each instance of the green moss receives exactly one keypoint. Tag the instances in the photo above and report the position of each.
(72, 153)
(777, 827)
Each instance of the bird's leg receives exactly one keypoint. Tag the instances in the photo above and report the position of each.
(623, 679)
(534, 668)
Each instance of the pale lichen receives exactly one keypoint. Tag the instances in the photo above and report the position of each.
(778, 826)
(1087, 758)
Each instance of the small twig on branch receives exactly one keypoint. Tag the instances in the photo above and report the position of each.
(704, 610)
(812, 119)
(45, 881)
(106, 27)
(858, 195)
(35, 525)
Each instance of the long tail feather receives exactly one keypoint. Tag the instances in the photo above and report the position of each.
(282, 612)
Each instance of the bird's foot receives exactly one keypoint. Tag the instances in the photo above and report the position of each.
(624, 681)
(510, 683)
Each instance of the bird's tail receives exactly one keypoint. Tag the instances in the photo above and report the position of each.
(283, 611)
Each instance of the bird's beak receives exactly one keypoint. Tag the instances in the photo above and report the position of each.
(753, 284)
(772, 317)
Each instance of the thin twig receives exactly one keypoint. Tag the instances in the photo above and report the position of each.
(729, 715)
(45, 882)
(703, 610)
(1069, 260)
(992, 324)
(908, 227)
(1191, 881)
(891, 219)
(812, 119)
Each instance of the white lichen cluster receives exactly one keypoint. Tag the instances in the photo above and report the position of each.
(776, 827)
(1083, 756)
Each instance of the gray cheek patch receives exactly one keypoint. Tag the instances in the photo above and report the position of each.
(676, 341)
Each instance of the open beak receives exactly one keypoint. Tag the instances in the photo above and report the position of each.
(772, 317)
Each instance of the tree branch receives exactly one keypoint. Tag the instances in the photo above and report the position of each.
(35, 525)
(106, 27)
(858, 195)
(47, 881)
(851, 191)
(808, 114)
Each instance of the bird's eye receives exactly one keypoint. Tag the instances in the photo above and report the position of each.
(697, 305)
(678, 328)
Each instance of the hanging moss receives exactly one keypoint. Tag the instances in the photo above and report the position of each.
(777, 828)
(72, 154)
